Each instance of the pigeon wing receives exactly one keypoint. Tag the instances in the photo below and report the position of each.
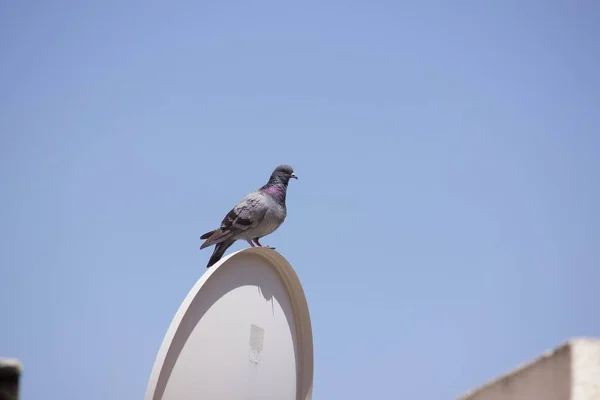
(248, 213)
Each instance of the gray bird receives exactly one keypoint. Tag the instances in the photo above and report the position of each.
(258, 214)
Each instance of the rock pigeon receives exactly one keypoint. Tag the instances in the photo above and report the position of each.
(258, 214)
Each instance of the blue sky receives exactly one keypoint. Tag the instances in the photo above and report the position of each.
(445, 225)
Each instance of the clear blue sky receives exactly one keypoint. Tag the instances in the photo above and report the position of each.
(445, 225)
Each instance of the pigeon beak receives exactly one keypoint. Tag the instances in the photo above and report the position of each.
(294, 176)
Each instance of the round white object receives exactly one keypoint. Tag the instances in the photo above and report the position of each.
(242, 332)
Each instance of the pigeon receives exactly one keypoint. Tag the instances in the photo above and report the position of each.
(256, 215)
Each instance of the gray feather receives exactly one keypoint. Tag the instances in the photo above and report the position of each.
(246, 215)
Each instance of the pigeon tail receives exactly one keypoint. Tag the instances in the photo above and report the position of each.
(218, 252)
(217, 236)
(207, 235)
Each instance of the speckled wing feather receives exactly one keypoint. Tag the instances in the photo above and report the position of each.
(245, 215)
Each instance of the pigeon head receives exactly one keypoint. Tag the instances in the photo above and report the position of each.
(278, 182)
(282, 175)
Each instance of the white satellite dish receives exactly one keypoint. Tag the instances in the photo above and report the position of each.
(242, 332)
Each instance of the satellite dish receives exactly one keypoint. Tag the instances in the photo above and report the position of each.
(242, 332)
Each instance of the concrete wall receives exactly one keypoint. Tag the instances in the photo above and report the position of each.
(585, 369)
(569, 372)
